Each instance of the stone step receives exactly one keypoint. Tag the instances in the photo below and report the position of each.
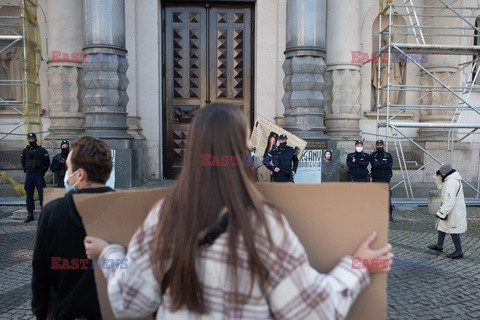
(21, 214)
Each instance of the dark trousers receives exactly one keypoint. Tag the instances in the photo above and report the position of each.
(32, 181)
(455, 238)
(389, 192)
(357, 179)
(282, 178)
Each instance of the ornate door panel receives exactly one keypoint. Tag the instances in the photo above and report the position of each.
(207, 59)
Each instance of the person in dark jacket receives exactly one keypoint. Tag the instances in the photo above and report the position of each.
(382, 162)
(35, 163)
(357, 163)
(62, 272)
(58, 163)
(282, 161)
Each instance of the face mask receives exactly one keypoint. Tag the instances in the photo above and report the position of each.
(33, 144)
(283, 144)
(381, 150)
(65, 152)
(65, 181)
(359, 149)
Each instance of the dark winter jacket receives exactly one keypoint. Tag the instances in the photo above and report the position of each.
(382, 163)
(60, 266)
(358, 169)
(35, 160)
(283, 158)
(58, 166)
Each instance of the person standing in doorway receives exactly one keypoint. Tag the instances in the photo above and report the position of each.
(452, 215)
(382, 162)
(35, 163)
(357, 163)
(58, 163)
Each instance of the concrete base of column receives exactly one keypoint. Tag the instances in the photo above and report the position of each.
(342, 106)
(65, 103)
(128, 162)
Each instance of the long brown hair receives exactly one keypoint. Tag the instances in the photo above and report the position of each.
(198, 197)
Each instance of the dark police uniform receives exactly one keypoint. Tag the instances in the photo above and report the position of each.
(282, 158)
(382, 163)
(35, 163)
(58, 164)
(357, 170)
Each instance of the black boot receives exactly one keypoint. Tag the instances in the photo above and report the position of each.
(29, 217)
(458, 254)
(434, 247)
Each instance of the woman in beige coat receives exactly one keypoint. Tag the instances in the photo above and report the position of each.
(452, 215)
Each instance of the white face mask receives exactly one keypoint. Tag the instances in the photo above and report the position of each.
(65, 181)
(359, 149)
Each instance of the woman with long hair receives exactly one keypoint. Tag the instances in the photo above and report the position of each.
(216, 248)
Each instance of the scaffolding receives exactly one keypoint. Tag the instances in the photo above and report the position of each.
(20, 91)
(424, 35)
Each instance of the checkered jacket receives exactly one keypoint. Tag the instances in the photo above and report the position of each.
(294, 289)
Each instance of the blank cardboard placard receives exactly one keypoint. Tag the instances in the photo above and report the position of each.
(330, 219)
(50, 194)
(115, 216)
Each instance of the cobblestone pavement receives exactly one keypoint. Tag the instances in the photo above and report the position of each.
(446, 289)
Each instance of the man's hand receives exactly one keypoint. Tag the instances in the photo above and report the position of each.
(94, 246)
(276, 170)
(293, 173)
(353, 159)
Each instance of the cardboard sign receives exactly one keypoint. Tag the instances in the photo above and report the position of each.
(50, 194)
(259, 139)
(328, 226)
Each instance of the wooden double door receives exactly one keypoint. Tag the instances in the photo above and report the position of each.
(207, 58)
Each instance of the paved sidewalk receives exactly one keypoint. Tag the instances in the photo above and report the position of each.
(447, 289)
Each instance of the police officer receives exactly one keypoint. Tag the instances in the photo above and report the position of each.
(58, 163)
(35, 163)
(279, 160)
(357, 163)
(382, 163)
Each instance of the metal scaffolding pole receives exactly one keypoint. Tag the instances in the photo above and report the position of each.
(19, 31)
(410, 39)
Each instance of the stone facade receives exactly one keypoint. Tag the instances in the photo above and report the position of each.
(310, 85)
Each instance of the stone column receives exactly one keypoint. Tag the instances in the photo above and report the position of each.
(65, 70)
(105, 85)
(442, 67)
(342, 79)
(304, 67)
(105, 69)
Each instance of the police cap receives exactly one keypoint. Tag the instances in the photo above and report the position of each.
(64, 142)
(282, 136)
(379, 142)
(359, 142)
(32, 135)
